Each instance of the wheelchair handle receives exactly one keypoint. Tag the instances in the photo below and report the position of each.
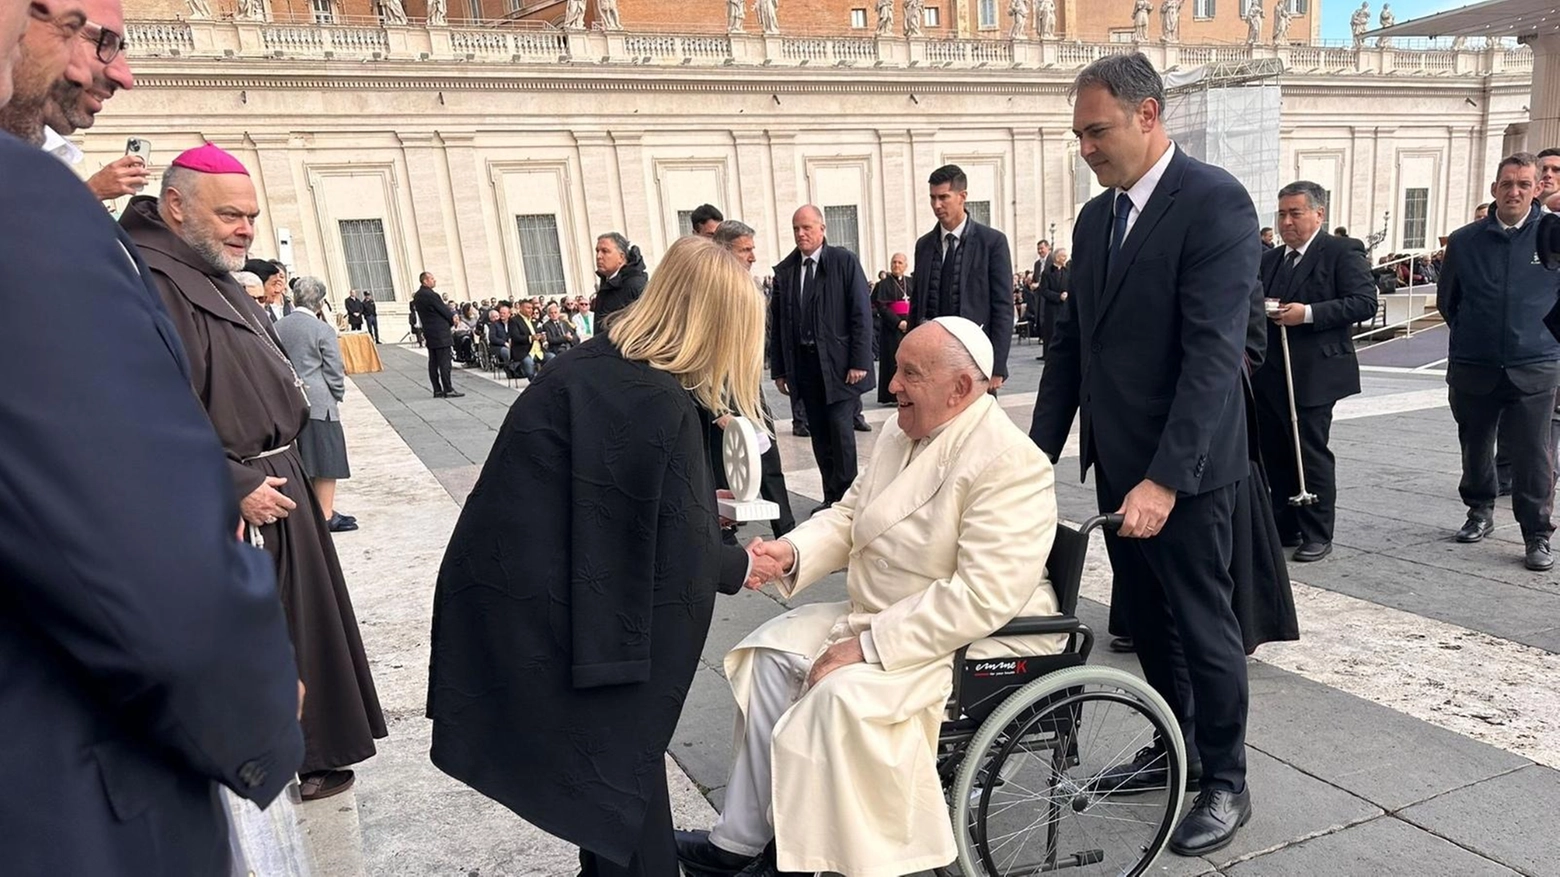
(1109, 522)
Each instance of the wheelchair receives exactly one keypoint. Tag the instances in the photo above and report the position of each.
(1027, 739)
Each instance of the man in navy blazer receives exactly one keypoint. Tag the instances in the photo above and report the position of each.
(1164, 270)
(142, 646)
(964, 269)
(820, 318)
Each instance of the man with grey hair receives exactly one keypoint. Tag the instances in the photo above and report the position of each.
(835, 697)
(1318, 286)
(622, 273)
(1151, 363)
(192, 238)
(737, 237)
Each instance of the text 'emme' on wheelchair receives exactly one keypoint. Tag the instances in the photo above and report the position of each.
(1031, 757)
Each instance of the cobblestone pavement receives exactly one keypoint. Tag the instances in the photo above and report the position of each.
(1415, 729)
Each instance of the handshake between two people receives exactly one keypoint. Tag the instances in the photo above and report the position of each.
(769, 560)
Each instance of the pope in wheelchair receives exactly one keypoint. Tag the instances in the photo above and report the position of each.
(944, 539)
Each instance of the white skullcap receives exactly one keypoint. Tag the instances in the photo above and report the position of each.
(974, 340)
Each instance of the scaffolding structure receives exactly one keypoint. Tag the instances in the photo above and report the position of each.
(1228, 114)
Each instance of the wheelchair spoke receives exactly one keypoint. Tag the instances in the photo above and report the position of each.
(1035, 807)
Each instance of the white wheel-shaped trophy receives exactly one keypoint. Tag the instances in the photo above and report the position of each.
(742, 461)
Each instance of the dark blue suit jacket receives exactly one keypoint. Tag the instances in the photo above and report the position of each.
(985, 285)
(143, 653)
(842, 321)
(1153, 356)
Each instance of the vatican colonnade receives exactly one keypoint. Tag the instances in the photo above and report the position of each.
(494, 156)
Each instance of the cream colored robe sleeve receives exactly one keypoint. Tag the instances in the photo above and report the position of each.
(1005, 535)
(823, 542)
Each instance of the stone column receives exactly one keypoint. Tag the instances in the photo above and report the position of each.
(631, 176)
(899, 188)
(923, 148)
(782, 157)
(597, 168)
(1028, 191)
(422, 153)
(467, 180)
(754, 208)
(1544, 117)
(281, 194)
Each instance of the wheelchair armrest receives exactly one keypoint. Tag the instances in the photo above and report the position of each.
(1041, 624)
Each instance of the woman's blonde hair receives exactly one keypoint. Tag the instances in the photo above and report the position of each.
(701, 320)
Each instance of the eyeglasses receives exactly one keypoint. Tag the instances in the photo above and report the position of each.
(109, 44)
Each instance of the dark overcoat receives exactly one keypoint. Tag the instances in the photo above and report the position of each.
(561, 660)
(841, 319)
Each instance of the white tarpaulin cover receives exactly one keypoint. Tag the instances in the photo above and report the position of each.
(1235, 128)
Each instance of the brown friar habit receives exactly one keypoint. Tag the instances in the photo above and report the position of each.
(250, 394)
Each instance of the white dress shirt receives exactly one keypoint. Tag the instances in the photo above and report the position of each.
(958, 234)
(1143, 189)
(1302, 251)
(60, 148)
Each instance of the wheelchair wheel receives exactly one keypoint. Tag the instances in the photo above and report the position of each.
(1025, 800)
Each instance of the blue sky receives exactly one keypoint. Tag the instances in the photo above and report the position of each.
(1335, 13)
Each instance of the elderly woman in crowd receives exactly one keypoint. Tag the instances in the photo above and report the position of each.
(561, 661)
(310, 342)
(252, 285)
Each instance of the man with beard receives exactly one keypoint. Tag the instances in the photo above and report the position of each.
(197, 232)
(37, 61)
(72, 107)
(135, 675)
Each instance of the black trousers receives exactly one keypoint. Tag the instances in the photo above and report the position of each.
(832, 426)
(1315, 522)
(439, 369)
(656, 853)
(772, 487)
(1176, 591)
(1523, 421)
(1502, 442)
(373, 326)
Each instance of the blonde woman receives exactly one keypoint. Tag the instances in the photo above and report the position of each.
(561, 660)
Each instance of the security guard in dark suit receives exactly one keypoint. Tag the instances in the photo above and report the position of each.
(1323, 287)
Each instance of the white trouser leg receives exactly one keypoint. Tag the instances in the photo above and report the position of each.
(744, 825)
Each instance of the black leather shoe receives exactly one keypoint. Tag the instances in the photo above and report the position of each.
(1538, 557)
(438, 394)
(351, 518)
(1216, 816)
(454, 394)
(1313, 551)
(862, 425)
(339, 524)
(800, 431)
(698, 856)
(1122, 645)
(1475, 529)
(1148, 771)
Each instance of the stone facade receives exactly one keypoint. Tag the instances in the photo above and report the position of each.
(1202, 21)
(494, 157)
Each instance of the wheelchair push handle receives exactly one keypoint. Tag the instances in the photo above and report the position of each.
(1109, 522)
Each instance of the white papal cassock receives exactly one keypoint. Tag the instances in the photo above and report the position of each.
(942, 544)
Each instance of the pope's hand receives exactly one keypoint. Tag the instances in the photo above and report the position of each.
(266, 504)
(771, 560)
(841, 654)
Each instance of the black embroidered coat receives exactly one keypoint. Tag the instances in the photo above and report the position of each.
(574, 599)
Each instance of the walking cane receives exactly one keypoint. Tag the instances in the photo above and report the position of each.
(1304, 497)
